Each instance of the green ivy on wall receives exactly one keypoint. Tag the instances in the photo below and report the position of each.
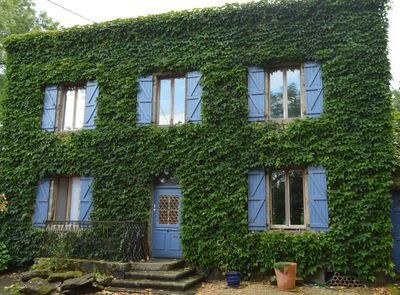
(352, 139)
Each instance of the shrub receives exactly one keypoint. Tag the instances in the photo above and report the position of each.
(4, 257)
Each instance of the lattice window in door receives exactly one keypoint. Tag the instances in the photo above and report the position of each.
(168, 210)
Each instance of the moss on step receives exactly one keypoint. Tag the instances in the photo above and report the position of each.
(62, 276)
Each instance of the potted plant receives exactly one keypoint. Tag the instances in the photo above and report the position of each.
(228, 265)
(285, 275)
(232, 278)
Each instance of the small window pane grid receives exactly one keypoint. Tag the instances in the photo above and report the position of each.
(287, 199)
(168, 210)
(284, 99)
(64, 199)
(71, 108)
(171, 101)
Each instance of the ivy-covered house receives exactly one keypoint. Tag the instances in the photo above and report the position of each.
(240, 135)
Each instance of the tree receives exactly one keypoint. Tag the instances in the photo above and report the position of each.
(396, 99)
(17, 17)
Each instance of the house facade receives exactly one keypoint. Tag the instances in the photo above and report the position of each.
(241, 135)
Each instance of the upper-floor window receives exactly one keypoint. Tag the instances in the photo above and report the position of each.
(167, 100)
(70, 107)
(285, 99)
(171, 101)
(286, 92)
(63, 198)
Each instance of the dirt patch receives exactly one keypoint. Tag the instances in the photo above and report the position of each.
(264, 288)
(7, 280)
(218, 287)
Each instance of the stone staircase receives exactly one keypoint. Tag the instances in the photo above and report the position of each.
(158, 277)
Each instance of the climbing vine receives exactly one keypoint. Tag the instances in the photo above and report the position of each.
(352, 139)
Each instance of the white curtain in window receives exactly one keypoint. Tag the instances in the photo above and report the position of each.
(76, 190)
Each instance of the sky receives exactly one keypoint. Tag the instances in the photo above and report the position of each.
(101, 10)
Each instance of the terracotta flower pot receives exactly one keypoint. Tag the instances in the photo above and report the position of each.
(286, 277)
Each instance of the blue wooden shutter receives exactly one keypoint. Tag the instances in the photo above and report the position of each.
(92, 91)
(193, 96)
(86, 198)
(256, 94)
(257, 195)
(317, 198)
(314, 89)
(145, 100)
(42, 203)
(49, 108)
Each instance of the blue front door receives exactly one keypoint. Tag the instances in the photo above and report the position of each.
(166, 241)
(396, 229)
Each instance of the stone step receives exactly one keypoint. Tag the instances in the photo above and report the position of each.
(151, 291)
(155, 265)
(180, 285)
(170, 275)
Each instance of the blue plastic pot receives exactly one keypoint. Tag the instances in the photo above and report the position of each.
(233, 279)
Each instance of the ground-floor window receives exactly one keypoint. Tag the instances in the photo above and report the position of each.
(287, 191)
(64, 199)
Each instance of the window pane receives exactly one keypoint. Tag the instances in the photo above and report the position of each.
(293, 93)
(164, 115)
(62, 199)
(76, 190)
(278, 197)
(179, 101)
(276, 94)
(296, 197)
(69, 109)
(80, 108)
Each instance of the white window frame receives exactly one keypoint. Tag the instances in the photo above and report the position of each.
(54, 195)
(156, 97)
(267, 100)
(61, 106)
(287, 224)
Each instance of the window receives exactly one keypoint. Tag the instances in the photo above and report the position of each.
(167, 100)
(71, 108)
(280, 93)
(284, 96)
(171, 101)
(64, 199)
(287, 198)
